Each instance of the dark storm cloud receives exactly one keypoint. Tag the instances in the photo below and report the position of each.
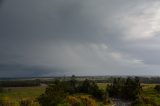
(16, 70)
(55, 20)
(19, 70)
(60, 37)
(1, 1)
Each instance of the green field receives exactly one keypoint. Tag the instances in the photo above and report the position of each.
(102, 85)
(149, 92)
(16, 94)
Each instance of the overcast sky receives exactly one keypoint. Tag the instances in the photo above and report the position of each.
(81, 37)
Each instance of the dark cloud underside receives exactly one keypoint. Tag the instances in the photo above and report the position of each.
(82, 37)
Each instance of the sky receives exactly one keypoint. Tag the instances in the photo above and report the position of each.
(80, 37)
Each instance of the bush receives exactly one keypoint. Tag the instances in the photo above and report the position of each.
(81, 101)
(73, 101)
(107, 101)
(128, 89)
(91, 87)
(21, 83)
(57, 92)
(157, 88)
(138, 102)
(53, 95)
(25, 102)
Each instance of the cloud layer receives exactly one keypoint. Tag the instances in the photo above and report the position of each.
(82, 37)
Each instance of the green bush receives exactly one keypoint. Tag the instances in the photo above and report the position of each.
(25, 102)
(157, 88)
(53, 95)
(138, 102)
(81, 100)
(128, 89)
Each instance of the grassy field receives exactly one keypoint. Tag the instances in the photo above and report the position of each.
(102, 85)
(149, 92)
(16, 94)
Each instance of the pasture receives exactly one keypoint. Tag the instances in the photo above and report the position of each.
(16, 94)
(150, 93)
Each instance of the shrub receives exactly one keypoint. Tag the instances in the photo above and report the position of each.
(138, 102)
(91, 87)
(25, 102)
(82, 100)
(86, 101)
(73, 101)
(128, 89)
(107, 101)
(157, 88)
(53, 95)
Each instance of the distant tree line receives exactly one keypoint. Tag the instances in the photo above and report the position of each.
(148, 80)
(151, 80)
(97, 79)
(20, 83)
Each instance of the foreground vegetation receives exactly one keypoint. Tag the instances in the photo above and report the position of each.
(82, 93)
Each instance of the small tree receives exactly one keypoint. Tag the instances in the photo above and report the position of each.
(53, 95)
(91, 87)
(128, 89)
(72, 85)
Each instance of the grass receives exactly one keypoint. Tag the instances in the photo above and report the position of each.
(18, 93)
(102, 85)
(149, 92)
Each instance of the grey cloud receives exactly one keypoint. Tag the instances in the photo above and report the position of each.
(79, 36)
(20, 70)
